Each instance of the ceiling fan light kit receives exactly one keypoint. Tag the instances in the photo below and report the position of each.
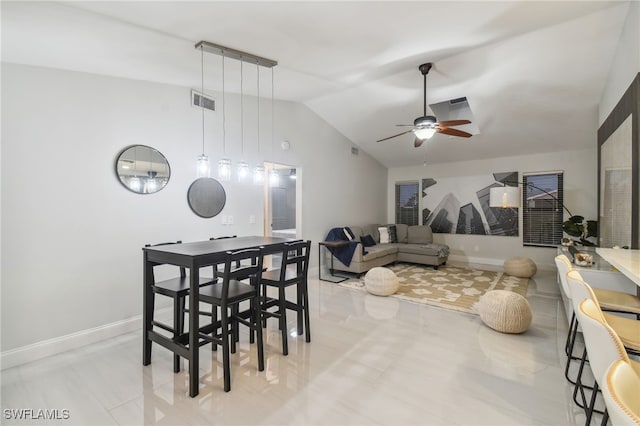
(426, 126)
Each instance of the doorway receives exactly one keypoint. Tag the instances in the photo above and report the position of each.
(282, 200)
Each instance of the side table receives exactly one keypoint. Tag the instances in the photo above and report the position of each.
(330, 244)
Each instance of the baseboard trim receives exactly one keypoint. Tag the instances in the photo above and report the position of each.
(492, 262)
(475, 260)
(45, 348)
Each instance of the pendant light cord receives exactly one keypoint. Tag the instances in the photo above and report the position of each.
(224, 109)
(272, 111)
(202, 92)
(241, 109)
(258, 99)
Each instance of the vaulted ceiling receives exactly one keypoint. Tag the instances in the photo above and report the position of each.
(533, 71)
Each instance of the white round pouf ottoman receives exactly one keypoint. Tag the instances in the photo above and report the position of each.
(505, 311)
(381, 281)
(522, 267)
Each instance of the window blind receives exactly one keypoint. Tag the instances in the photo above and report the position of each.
(407, 203)
(542, 207)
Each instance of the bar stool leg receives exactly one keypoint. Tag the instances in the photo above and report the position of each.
(224, 314)
(300, 307)
(283, 320)
(305, 302)
(256, 310)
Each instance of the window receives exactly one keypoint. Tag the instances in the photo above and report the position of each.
(407, 203)
(542, 201)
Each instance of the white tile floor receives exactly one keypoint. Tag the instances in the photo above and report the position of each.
(371, 361)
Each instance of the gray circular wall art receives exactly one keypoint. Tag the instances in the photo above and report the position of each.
(206, 197)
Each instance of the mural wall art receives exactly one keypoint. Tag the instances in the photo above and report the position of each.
(460, 205)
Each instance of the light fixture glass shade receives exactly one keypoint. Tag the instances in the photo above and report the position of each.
(292, 174)
(424, 132)
(243, 171)
(258, 175)
(224, 169)
(274, 178)
(203, 169)
(504, 197)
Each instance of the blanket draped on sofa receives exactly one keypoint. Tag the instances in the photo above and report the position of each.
(344, 253)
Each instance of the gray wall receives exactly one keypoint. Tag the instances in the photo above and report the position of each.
(580, 196)
(72, 235)
(626, 63)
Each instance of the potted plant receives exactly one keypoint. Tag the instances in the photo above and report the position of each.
(576, 226)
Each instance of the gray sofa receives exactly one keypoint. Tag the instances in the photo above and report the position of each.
(415, 245)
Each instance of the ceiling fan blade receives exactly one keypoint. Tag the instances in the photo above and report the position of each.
(390, 137)
(454, 123)
(454, 132)
(417, 142)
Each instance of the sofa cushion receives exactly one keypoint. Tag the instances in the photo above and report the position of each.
(425, 250)
(367, 241)
(393, 236)
(379, 250)
(419, 235)
(357, 232)
(384, 234)
(348, 233)
(401, 232)
(373, 231)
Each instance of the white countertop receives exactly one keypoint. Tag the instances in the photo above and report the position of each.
(627, 261)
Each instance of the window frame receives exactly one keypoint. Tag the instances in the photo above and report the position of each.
(536, 231)
(399, 217)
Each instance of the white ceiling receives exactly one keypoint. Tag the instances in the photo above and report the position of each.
(533, 71)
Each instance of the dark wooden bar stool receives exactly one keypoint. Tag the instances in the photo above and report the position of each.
(294, 253)
(177, 289)
(227, 296)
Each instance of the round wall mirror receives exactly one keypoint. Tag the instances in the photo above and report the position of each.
(142, 169)
(206, 197)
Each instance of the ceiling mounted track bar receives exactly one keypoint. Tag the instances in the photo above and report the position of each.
(235, 54)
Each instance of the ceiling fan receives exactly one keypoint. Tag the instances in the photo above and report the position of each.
(426, 126)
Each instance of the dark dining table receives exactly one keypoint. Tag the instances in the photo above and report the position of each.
(193, 256)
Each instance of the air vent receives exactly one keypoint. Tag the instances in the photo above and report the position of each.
(458, 100)
(196, 98)
(354, 150)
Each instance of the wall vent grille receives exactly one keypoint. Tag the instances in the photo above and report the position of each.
(197, 97)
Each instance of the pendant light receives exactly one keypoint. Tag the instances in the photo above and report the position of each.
(224, 164)
(274, 178)
(203, 169)
(243, 166)
(258, 171)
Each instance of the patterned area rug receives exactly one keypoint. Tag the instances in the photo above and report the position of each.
(448, 287)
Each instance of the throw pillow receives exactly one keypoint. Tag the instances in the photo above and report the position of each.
(393, 238)
(384, 234)
(367, 241)
(348, 233)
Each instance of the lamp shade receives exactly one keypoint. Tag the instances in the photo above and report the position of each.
(424, 132)
(504, 197)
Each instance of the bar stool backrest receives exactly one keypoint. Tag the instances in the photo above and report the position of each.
(234, 269)
(296, 252)
(602, 342)
(564, 266)
(620, 390)
(580, 290)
